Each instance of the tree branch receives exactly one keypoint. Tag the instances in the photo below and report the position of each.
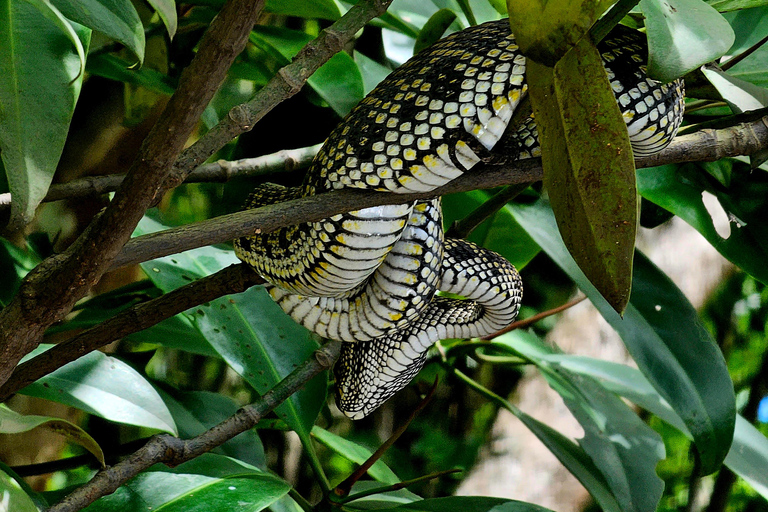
(233, 279)
(220, 171)
(704, 145)
(50, 291)
(173, 451)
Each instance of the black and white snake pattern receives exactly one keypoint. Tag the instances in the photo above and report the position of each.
(370, 277)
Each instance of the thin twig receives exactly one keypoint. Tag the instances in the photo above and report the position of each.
(173, 451)
(462, 228)
(526, 322)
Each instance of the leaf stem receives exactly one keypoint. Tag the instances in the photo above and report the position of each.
(398, 486)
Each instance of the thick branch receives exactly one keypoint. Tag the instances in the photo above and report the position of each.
(220, 171)
(233, 279)
(50, 291)
(742, 139)
(173, 451)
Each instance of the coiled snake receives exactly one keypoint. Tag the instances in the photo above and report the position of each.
(369, 278)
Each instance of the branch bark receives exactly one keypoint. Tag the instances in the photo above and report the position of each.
(173, 451)
(50, 291)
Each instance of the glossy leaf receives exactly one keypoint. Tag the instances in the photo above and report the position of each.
(623, 447)
(740, 95)
(14, 423)
(748, 455)
(194, 412)
(379, 500)
(733, 5)
(371, 71)
(104, 386)
(679, 190)
(166, 9)
(683, 35)
(249, 331)
(467, 504)
(116, 19)
(355, 453)
(322, 9)
(209, 483)
(588, 167)
(338, 81)
(546, 30)
(665, 337)
(46, 62)
(12, 496)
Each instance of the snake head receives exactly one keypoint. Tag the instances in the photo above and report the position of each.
(369, 372)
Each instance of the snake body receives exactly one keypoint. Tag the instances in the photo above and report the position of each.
(369, 277)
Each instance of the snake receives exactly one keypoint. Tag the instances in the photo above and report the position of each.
(385, 280)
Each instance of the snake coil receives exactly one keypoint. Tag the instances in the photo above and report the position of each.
(369, 277)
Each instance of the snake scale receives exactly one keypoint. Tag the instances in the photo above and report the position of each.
(370, 277)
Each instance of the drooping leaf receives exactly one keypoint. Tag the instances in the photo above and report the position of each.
(210, 483)
(434, 29)
(116, 19)
(338, 81)
(588, 167)
(104, 386)
(624, 448)
(683, 35)
(664, 335)
(166, 9)
(14, 423)
(355, 453)
(546, 30)
(43, 57)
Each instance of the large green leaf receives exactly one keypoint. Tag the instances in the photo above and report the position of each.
(665, 337)
(355, 453)
(748, 456)
(323, 9)
(106, 387)
(116, 19)
(679, 189)
(589, 171)
(248, 330)
(12, 496)
(683, 35)
(732, 5)
(467, 504)
(209, 483)
(166, 9)
(623, 447)
(338, 81)
(14, 423)
(43, 57)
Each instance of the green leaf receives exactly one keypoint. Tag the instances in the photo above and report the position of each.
(166, 9)
(500, 233)
(322, 9)
(106, 387)
(194, 412)
(209, 483)
(467, 504)
(371, 71)
(589, 171)
(665, 337)
(734, 5)
(109, 66)
(740, 95)
(14, 265)
(679, 189)
(683, 35)
(338, 81)
(623, 447)
(12, 496)
(546, 30)
(248, 330)
(355, 453)
(116, 19)
(14, 423)
(748, 455)
(434, 29)
(43, 57)
(381, 499)
(178, 333)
